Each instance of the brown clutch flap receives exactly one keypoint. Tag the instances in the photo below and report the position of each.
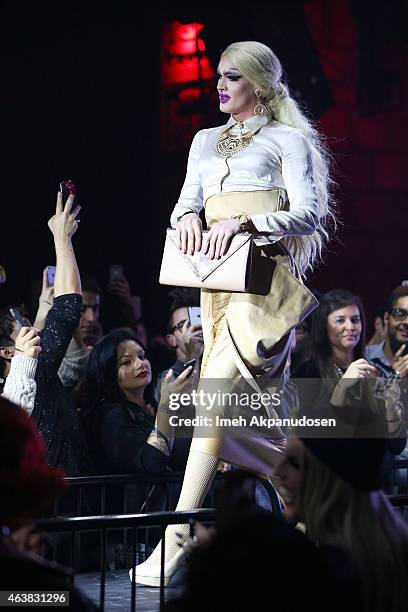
(230, 273)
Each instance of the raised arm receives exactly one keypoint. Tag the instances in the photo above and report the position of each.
(64, 316)
(63, 226)
(45, 302)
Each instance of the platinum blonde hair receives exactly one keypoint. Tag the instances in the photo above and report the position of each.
(259, 64)
(364, 525)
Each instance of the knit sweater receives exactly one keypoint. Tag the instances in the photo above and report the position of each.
(20, 386)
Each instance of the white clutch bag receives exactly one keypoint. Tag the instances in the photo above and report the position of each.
(232, 272)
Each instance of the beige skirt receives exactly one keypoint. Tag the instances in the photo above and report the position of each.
(247, 343)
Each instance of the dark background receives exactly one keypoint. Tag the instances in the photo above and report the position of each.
(81, 95)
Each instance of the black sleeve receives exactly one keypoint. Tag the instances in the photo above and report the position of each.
(62, 321)
(124, 441)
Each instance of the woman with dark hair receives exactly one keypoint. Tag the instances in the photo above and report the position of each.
(337, 336)
(347, 383)
(125, 432)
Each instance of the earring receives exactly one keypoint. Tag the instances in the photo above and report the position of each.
(260, 109)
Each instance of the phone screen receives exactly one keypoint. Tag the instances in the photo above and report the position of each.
(68, 188)
(194, 314)
(20, 322)
(51, 275)
(115, 271)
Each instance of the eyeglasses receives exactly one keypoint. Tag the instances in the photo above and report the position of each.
(399, 314)
(178, 326)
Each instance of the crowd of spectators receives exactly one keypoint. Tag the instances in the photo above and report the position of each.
(82, 378)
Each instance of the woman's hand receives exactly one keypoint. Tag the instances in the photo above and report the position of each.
(203, 536)
(28, 342)
(357, 370)
(47, 291)
(63, 224)
(45, 302)
(189, 233)
(217, 240)
(184, 383)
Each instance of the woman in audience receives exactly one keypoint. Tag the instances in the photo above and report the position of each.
(125, 431)
(345, 382)
(54, 410)
(333, 487)
(336, 338)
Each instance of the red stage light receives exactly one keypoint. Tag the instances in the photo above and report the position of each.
(184, 60)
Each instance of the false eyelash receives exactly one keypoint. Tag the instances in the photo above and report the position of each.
(230, 77)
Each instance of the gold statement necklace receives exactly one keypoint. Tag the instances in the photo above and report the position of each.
(234, 139)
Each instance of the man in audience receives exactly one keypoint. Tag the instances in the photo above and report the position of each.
(121, 308)
(187, 342)
(392, 353)
(185, 339)
(85, 336)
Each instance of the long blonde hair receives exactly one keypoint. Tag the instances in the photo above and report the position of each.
(365, 525)
(259, 64)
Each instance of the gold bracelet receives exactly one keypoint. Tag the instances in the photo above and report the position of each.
(245, 222)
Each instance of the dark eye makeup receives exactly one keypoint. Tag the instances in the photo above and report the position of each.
(231, 77)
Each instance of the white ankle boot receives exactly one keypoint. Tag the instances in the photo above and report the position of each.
(149, 574)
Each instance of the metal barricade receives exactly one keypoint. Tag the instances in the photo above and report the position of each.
(133, 522)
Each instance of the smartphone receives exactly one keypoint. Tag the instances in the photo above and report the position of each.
(20, 322)
(194, 315)
(192, 362)
(68, 188)
(405, 351)
(115, 271)
(51, 275)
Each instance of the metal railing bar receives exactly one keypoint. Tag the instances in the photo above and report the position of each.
(102, 571)
(114, 521)
(162, 561)
(133, 583)
(129, 478)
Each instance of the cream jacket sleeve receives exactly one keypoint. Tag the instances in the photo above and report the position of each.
(191, 195)
(297, 174)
